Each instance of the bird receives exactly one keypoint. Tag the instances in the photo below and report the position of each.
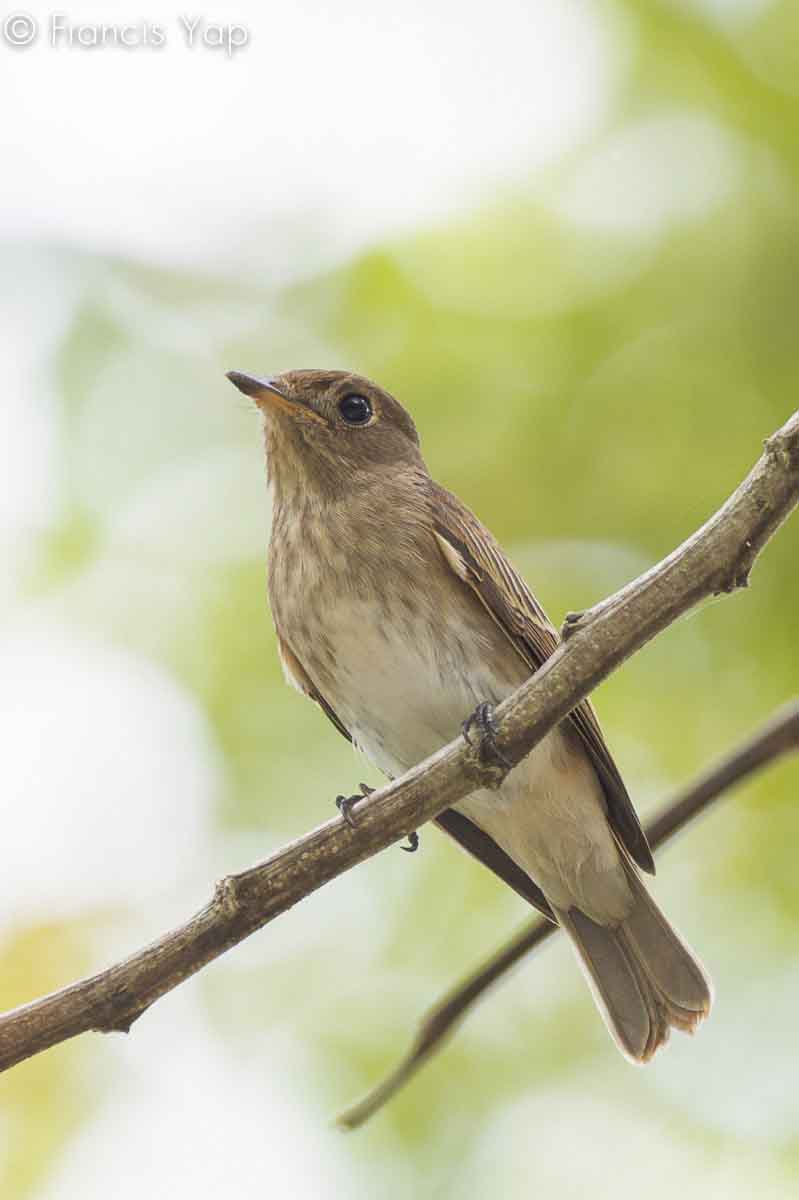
(399, 614)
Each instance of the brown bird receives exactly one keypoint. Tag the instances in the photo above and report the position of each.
(399, 614)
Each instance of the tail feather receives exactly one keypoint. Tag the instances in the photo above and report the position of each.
(673, 966)
(643, 976)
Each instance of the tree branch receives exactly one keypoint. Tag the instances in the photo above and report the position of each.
(717, 558)
(777, 737)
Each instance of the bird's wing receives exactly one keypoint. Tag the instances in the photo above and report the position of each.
(460, 828)
(299, 678)
(482, 847)
(476, 558)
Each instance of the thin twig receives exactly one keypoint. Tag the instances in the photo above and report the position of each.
(777, 737)
(717, 558)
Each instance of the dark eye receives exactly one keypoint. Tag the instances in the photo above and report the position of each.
(356, 410)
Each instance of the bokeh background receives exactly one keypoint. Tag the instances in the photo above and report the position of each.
(566, 234)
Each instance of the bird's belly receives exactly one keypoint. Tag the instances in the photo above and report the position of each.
(549, 816)
(402, 690)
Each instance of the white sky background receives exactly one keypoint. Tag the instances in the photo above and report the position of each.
(364, 116)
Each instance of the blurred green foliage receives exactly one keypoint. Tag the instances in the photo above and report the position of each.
(594, 394)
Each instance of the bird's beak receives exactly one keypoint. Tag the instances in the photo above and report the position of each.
(267, 394)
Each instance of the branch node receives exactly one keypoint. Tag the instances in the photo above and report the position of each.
(226, 897)
(574, 621)
(741, 570)
(485, 770)
(122, 1025)
(119, 1012)
(784, 449)
(731, 583)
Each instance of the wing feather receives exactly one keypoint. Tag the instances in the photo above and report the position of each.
(482, 847)
(299, 678)
(477, 559)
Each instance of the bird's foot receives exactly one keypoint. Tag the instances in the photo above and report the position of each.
(345, 804)
(483, 720)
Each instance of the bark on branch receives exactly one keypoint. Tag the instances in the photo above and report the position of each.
(717, 558)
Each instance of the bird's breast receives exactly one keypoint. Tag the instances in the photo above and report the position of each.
(393, 643)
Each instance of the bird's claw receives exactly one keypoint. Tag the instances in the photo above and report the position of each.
(345, 804)
(483, 719)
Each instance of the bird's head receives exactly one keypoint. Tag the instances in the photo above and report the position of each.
(326, 429)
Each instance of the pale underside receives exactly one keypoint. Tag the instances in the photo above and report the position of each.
(402, 692)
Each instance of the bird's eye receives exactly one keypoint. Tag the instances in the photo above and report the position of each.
(356, 410)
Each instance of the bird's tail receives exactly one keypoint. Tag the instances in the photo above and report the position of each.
(643, 976)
